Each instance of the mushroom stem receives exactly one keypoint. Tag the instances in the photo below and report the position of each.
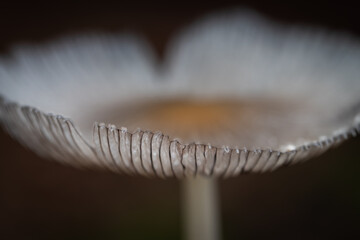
(200, 208)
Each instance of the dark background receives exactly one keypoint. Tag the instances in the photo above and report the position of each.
(40, 199)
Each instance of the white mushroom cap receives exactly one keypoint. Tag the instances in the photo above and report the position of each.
(263, 95)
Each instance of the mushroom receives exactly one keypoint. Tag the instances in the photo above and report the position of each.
(236, 94)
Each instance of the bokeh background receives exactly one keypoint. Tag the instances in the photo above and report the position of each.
(41, 199)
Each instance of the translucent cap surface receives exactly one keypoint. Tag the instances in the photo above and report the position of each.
(236, 93)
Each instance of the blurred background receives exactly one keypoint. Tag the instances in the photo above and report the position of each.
(41, 199)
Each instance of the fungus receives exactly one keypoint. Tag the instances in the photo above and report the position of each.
(235, 94)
